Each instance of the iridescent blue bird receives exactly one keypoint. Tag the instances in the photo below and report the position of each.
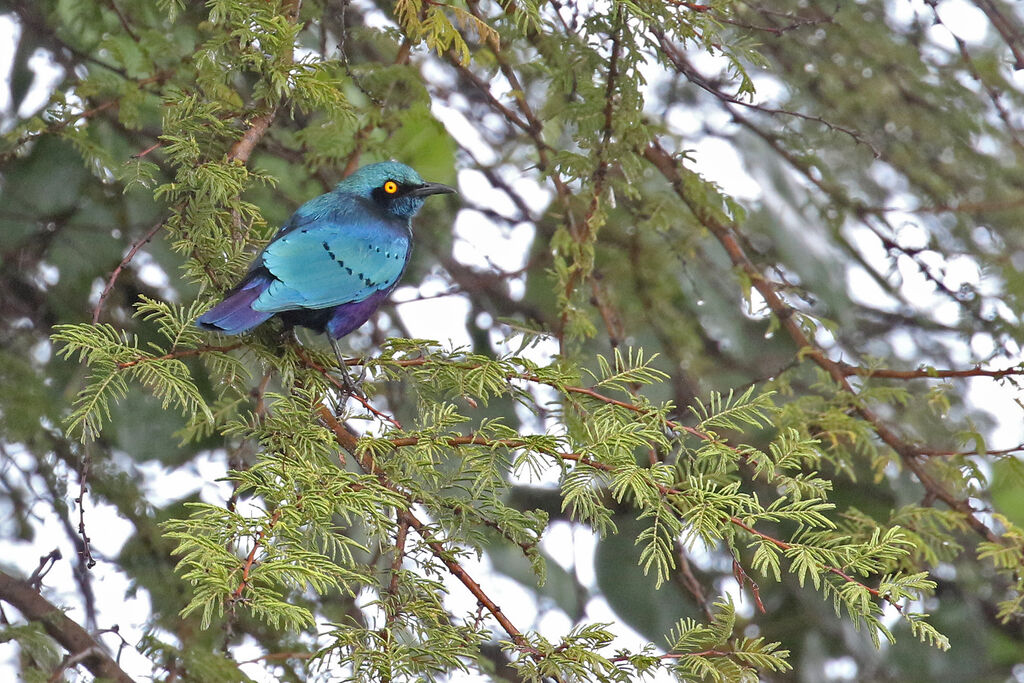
(336, 259)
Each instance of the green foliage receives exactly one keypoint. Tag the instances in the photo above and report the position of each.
(295, 544)
(708, 651)
(116, 359)
(705, 388)
(39, 652)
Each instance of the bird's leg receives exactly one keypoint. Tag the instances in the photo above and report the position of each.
(346, 379)
(289, 336)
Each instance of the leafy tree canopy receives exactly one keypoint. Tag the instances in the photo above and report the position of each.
(736, 289)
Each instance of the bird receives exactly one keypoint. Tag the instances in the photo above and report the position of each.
(335, 261)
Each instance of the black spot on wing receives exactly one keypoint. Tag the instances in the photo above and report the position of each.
(341, 264)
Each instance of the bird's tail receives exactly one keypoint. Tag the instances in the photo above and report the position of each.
(235, 314)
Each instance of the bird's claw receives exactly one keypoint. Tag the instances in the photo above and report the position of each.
(351, 386)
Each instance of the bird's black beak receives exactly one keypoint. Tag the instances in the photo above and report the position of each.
(427, 189)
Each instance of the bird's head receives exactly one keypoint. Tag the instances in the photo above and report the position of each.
(393, 186)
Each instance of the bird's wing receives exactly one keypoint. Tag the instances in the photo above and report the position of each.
(337, 258)
(310, 213)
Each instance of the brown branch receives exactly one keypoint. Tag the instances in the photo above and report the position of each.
(612, 321)
(783, 545)
(696, 7)
(570, 389)
(787, 317)
(679, 427)
(471, 585)
(609, 122)
(680, 655)
(600, 299)
(46, 563)
(345, 437)
(84, 466)
(250, 560)
(994, 95)
(534, 126)
(396, 563)
(1019, 448)
(960, 207)
(690, 582)
(849, 370)
(244, 146)
(278, 656)
(112, 4)
(1010, 33)
(179, 354)
(139, 155)
(742, 579)
(485, 90)
(794, 22)
(526, 547)
(684, 67)
(72, 637)
(476, 440)
(347, 391)
(259, 124)
(121, 266)
(57, 489)
(839, 195)
(349, 443)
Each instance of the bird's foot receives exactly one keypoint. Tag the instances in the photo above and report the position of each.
(351, 386)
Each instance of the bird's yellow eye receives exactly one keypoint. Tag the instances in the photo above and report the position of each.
(391, 187)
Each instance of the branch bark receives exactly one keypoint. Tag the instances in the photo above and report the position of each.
(910, 455)
(76, 640)
(349, 443)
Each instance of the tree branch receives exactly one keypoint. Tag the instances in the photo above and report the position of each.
(72, 637)
(121, 266)
(244, 146)
(349, 443)
(786, 315)
(926, 373)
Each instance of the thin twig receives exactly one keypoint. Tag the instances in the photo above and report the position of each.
(338, 384)
(683, 66)
(787, 317)
(250, 560)
(349, 443)
(123, 19)
(46, 563)
(84, 465)
(183, 353)
(926, 373)
(1004, 26)
(121, 266)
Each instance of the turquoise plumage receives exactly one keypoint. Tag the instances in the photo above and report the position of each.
(336, 259)
(345, 255)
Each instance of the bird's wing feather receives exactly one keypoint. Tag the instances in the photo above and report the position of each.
(337, 258)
